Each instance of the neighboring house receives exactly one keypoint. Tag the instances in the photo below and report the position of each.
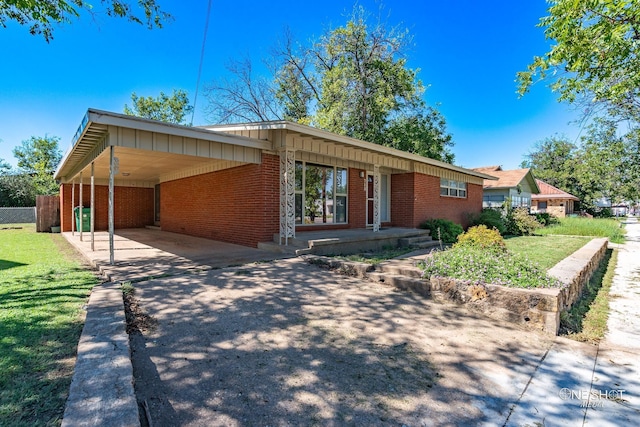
(517, 185)
(245, 183)
(552, 200)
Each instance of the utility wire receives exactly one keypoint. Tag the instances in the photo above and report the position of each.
(204, 42)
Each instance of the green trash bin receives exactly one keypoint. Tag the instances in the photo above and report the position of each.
(86, 218)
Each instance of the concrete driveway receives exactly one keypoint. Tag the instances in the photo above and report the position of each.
(287, 343)
(282, 342)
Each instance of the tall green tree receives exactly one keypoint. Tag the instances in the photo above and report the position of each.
(38, 158)
(594, 58)
(553, 161)
(170, 109)
(353, 80)
(606, 165)
(42, 16)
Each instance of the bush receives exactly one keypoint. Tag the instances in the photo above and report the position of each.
(481, 237)
(449, 230)
(546, 219)
(520, 223)
(492, 218)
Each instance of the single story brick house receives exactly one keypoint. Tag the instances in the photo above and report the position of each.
(245, 183)
(517, 185)
(552, 200)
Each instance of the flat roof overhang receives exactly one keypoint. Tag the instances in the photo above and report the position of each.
(323, 139)
(150, 152)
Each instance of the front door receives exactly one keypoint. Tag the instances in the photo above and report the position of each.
(370, 199)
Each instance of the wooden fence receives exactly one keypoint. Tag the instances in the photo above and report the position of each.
(47, 212)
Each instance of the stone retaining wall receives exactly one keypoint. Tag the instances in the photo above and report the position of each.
(534, 309)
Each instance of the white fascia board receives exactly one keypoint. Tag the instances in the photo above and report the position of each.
(330, 136)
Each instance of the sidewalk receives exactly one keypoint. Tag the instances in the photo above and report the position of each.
(579, 384)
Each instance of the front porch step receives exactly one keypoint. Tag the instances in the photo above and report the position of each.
(421, 242)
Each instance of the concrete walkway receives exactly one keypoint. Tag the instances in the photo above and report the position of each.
(579, 384)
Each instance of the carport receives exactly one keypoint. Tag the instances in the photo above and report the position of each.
(116, 151)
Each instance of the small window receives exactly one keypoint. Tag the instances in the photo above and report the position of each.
(453, 188)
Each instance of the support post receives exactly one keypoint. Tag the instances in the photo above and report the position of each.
(111, 226)
(287, 195)
(376, 198)
(80, 209)
(73, 202)
(93, 204)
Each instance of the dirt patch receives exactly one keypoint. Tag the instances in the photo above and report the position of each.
(287, 343)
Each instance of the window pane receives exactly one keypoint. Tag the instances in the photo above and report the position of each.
(384, 198)
(453, 192)
(341, 181)
(462, 193)
(340, 210)
(298, 209)
(444, 182)
(444, 191)
(313, 194)
(298, 176)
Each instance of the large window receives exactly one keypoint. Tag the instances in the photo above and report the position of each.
(320, 194)
(451, 188)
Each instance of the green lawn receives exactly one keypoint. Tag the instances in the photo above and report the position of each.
(547, 251)
(42, 289)
(598, 227)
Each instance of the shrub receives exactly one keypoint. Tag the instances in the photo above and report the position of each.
(449, 230)
(478, 266)
(481, 237)
(520, 223)
(492, 218)
(546, 219)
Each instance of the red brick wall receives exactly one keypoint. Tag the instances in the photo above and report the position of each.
(416, 197)
(357, 199)
(133, 206)
(238, 205)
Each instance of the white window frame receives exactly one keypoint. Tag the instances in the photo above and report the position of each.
(335, 193)
(453, 188)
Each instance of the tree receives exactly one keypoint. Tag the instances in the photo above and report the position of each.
(170, 109)
(41, 16)
(606, 165)
(353, 80)
(242, 98)
(553, 161)
(595, 58)
(422, 134)
(38, 157)
(17, 190)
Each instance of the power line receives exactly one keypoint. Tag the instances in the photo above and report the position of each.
(204, 42)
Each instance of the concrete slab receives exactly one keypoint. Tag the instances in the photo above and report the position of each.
(142, 253)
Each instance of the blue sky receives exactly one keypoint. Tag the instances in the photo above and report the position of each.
(468, 53)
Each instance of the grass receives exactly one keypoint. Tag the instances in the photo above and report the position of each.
(587, 319)
(42, 290)
(547, 251)
(597, 227)
(377, 257)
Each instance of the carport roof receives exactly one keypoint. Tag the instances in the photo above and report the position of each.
(91, 140)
